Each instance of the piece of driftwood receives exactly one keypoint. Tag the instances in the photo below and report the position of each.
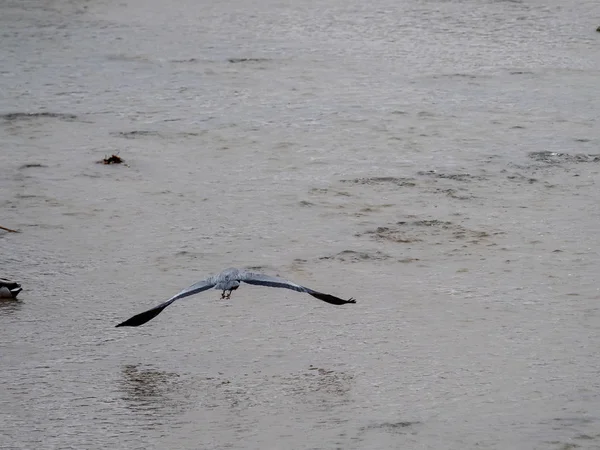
(112, 159)
(8, 229)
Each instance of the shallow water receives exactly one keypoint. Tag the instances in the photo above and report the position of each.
(436, 160)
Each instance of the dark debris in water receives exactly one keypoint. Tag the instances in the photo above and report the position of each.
(40, 115)
(112, 159)
(560, 158)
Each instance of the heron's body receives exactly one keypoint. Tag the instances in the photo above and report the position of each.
(228, 281)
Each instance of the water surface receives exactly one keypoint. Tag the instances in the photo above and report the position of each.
(437, 160)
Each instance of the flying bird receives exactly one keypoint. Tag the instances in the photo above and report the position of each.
(228, 281)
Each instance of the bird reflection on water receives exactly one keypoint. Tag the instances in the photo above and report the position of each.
(149, 391)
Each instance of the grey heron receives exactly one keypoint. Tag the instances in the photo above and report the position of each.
(228, 281)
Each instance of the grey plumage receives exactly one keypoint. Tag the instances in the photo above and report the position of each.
(229, 280)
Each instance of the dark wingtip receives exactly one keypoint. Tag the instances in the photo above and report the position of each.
(331, 299)
(141, 318)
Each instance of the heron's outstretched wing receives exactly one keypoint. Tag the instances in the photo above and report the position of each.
(266, 280)
(142, 318)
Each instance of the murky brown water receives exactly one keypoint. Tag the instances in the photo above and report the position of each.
(437, 160)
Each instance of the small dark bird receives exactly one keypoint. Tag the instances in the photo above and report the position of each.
(9, 289)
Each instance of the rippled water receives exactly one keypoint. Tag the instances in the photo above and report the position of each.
(437, 160)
